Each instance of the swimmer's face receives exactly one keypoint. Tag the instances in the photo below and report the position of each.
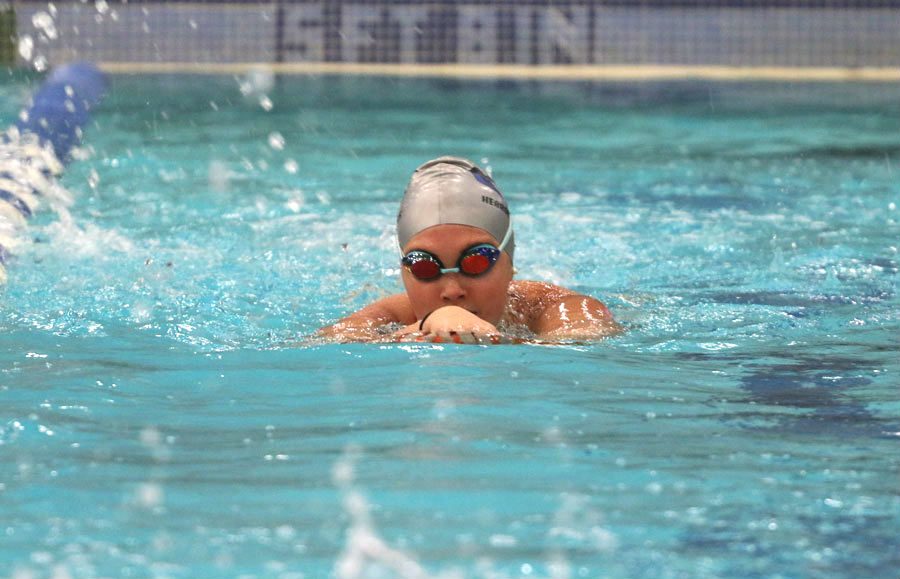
(485, 295)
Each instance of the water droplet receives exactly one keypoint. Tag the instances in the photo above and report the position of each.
(499, 540)
(149, 495)
(296, 202)
(151, 437)
(261, 79)
(219, 176)
(41, 558)
(26, 47)
(266, 103)
(40, 63)
(93, 179)
(44, 22)
(291, 166)
(276, 141)
(102, 6)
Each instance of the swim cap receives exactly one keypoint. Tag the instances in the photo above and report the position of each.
(451, 190)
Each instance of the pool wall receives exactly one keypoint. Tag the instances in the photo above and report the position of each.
(524, 34)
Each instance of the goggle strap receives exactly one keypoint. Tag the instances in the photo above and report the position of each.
(506, 237)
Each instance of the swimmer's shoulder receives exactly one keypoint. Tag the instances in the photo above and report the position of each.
(549, 309)
(529, 295)
(528, 300)
(531, 289)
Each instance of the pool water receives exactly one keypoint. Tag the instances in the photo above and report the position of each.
(165, 414)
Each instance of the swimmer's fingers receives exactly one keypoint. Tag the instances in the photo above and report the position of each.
(408, 337)
(409, 333)
(454, 337)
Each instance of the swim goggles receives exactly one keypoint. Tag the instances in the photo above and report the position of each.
(473, 262)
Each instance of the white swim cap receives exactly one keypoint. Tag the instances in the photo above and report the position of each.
(451, 190)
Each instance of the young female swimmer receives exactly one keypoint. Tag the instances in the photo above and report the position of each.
(457, 245)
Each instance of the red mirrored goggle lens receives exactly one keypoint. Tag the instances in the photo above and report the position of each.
(424, 268)
(475, 264)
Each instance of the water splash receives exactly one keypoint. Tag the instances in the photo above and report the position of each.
(86, 241)
(365, 553)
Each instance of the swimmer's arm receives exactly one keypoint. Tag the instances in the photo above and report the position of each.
(565, 315)
(367, 325)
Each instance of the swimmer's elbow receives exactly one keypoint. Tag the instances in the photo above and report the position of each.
(370, 324)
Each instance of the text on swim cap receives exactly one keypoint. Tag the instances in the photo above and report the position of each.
(494, 203)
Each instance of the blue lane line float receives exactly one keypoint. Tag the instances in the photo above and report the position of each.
(34, 150)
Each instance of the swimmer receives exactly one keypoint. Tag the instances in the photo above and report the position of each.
(34, 151)
(456, 253)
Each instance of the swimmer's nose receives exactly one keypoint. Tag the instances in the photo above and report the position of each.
(452, 291)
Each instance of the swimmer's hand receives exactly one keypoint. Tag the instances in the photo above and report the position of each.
(456, 319)
(450, 324)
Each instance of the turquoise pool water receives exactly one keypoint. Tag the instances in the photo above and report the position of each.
(164, 415)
